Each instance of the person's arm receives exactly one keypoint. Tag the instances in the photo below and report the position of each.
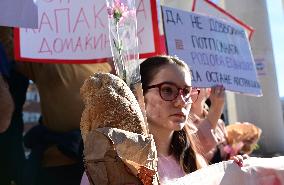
(205, 136)
(6, 105)
(217, 98)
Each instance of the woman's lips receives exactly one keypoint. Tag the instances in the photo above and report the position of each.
(179, 115)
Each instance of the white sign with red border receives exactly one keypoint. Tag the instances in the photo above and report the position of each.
(77, 32)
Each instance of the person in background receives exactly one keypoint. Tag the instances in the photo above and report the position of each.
(55, 143)
(211, 129)
(7, 104)
(13, 87)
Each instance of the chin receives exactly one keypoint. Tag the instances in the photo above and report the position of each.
(179, 126)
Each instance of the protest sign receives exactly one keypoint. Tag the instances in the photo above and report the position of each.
(77, 32)
(218, 52)
(209, 8)
(19, 13)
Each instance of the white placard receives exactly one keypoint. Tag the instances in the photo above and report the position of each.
(78, 30)
(218, 52)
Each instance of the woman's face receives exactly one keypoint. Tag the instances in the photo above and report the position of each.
(168, 115)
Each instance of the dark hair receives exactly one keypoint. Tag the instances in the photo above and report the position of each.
(180, 145)
(150, 67)
(183, 151)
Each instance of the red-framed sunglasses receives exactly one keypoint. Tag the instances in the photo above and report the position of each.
(169, 91)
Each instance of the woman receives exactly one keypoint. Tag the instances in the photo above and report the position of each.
(166, 83)
(168, 95)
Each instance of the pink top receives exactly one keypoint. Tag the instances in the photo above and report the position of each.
(209, 137)
(84, 180)
(169, 169)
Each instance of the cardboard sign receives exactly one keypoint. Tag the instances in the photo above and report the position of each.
(19, 13)
(218, 52)
(209, 8)
(77, 32)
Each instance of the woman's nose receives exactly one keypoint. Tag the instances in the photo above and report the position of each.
(180, 100)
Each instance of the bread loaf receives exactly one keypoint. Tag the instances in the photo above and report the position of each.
(247, 133)
(109, 102)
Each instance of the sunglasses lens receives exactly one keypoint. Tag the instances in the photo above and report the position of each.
(186, 92)
(168, 92)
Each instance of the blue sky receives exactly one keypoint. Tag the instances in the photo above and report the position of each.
(276, 18)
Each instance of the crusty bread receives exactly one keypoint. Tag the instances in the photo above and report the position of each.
(109, 102)
(247, 133)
